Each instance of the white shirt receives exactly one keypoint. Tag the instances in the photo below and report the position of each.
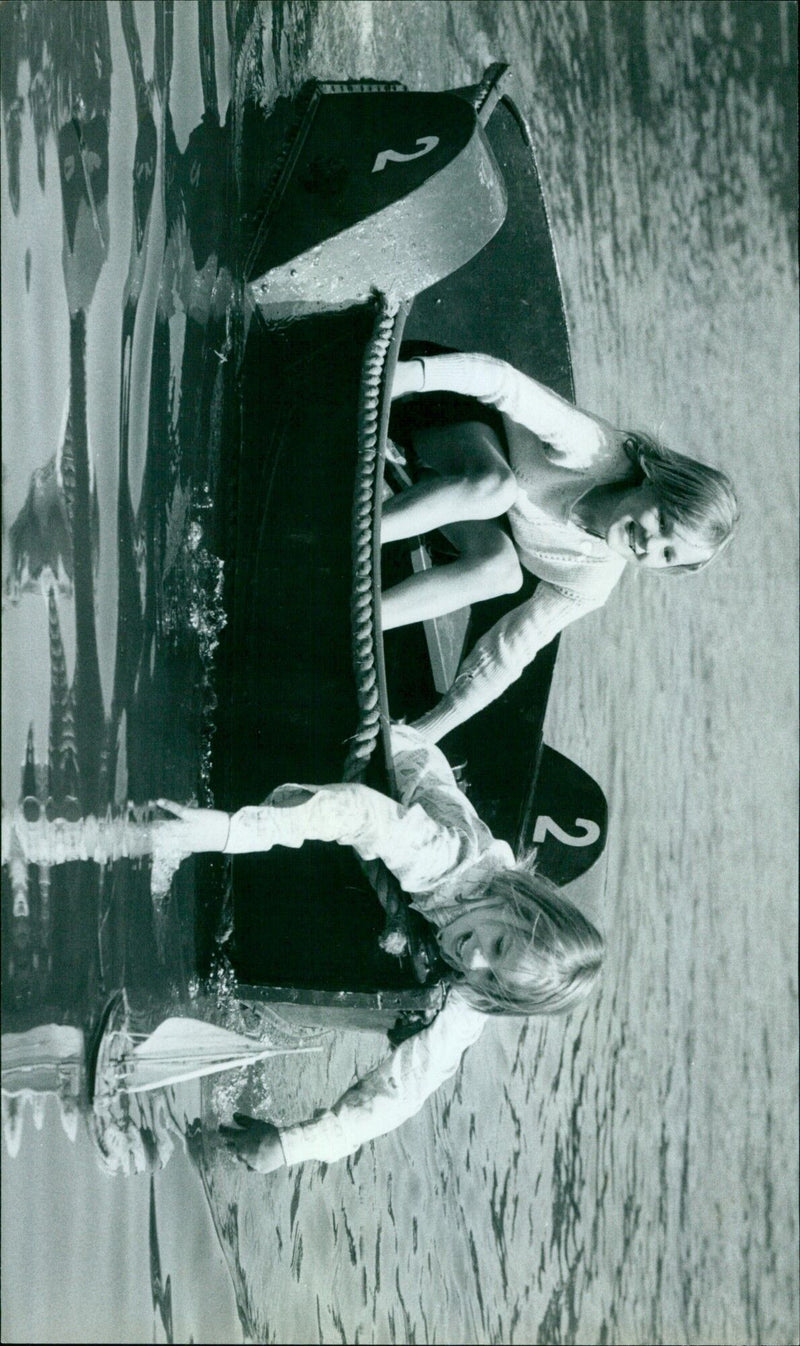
(442, 855)
(393, 1092)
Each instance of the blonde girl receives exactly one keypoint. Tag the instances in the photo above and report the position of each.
(582, 499)
(514, 943)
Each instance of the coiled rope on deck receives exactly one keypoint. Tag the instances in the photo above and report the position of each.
(363, 615)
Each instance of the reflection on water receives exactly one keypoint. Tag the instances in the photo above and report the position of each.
(107, 683)
(125, 514)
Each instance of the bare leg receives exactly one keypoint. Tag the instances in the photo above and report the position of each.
(472, 481)
(472, 485)
(487, 566)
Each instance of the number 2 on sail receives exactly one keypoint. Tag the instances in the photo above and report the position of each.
(545, 824)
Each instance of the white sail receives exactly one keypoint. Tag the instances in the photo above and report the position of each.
(179, 1049)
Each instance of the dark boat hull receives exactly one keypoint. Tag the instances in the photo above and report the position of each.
(306, 923)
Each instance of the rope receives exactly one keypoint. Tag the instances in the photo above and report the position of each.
(398, 937)
(362, 602)
(363, 614)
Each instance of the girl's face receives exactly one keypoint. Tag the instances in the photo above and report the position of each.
(484, 941)
(638, 530)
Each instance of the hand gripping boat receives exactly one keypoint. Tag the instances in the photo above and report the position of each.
(389, 217)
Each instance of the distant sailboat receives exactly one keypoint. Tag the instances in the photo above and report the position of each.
(47, 1061)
